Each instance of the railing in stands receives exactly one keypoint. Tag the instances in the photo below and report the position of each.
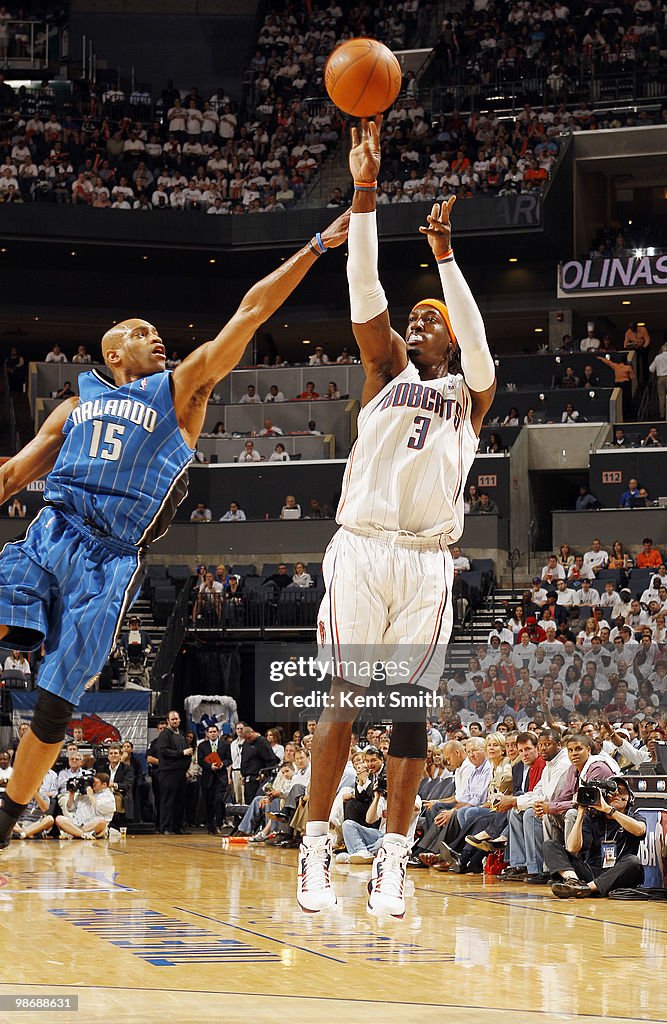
(532, 539)
(261, 613)
(648, 400)
(513, 560)
(162, 679)
(507, 90)
(29, 44)
(14, 439)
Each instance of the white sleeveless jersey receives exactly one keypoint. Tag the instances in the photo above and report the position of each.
(409, 464)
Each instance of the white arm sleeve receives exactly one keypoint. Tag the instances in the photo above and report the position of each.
(367, 298)
(478, 369)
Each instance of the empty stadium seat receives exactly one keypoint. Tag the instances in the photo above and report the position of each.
(487, 569)
(179, 573)
(607, 576)
(162, 601)
(156, 572)
(639, 580)
(473, 587)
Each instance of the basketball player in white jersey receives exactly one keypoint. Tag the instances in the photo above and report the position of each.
(388, 570)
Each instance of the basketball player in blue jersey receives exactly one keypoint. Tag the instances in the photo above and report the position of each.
(388, 571)
(116, 458)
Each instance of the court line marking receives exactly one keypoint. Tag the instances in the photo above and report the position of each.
(481, 898)
(228, 853)
(261, 935)
(338, 999)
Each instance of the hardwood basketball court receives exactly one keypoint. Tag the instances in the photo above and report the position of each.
(156, 928)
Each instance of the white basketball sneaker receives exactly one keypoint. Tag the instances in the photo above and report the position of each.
(386, 889)
(314, 890)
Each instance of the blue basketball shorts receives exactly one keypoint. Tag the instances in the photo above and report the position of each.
(65, 587)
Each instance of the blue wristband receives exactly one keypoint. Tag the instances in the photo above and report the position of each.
(319, 244)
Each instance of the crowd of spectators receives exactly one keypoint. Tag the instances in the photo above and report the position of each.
(222, 596)
(193, 153)
(488, 788)
(181, 152)
(507, 801)
(15, 366)
(185, 152)
(553, 50)
(291, 509)
(587, 635)
(427, 158)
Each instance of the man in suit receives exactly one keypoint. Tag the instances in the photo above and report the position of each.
(214, 777)
(153, 762)
(174, 757)
(258, 762)
(121, 783)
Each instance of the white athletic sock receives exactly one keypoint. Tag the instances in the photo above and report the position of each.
(317, 828)
(396, 837)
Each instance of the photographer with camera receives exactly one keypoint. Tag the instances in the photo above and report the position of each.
(89, 809)
(74, 770)
(363, 841)
(600, 852)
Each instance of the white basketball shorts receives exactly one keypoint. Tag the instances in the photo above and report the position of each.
(388, 599)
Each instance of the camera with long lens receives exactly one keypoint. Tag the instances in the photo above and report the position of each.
(589, 795)
(81, 783)
(381, 783)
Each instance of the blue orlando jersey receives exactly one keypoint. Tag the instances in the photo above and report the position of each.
(123, 466)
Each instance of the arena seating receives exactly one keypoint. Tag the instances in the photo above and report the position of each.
(267, 156)
(106, 149)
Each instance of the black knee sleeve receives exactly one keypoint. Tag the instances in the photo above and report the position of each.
(51, 717)
(408, 739)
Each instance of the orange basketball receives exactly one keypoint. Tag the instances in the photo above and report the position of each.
(362, 77)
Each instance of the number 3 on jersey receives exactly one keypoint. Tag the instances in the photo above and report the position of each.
(111, 444)
(418, 439)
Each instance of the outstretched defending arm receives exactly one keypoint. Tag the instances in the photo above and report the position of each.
(478, 368)
(195, 378)
(39, 455)
(383, 352)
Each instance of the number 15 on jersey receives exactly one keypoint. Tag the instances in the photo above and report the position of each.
(105, 442)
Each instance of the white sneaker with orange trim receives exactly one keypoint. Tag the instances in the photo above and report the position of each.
(314, 890)
(386, 889)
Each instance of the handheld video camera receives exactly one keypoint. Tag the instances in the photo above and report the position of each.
(589, 794)
(80, 784)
